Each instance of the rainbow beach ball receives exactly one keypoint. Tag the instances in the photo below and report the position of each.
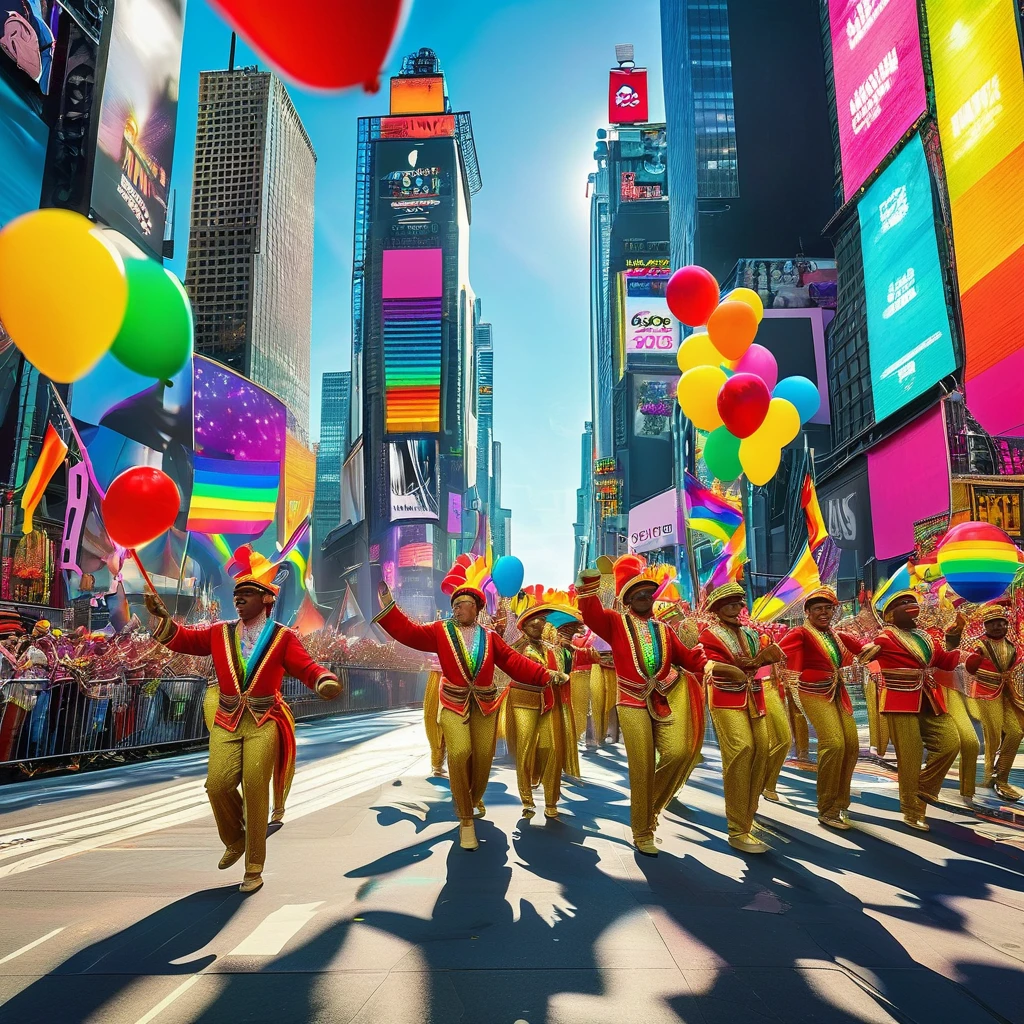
(978, 560)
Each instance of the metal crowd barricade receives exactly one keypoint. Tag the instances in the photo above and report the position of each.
(64, 717)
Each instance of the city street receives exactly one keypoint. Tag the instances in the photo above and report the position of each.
(114, 911)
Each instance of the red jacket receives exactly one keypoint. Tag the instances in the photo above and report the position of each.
(718, 646)
(458, 683)
(908, 674)
(810, 658)
(636, 688)
(259, 690)
(988, 679)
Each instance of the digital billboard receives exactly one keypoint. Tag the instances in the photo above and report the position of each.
(411, 315)
(27, 35)
(414, 479)
(655, 401)
(22, 156)
(649, 327)
(417, 94)
(909, 341)
(979, 99)
(138, 111)
(879, 77)
(627, 95)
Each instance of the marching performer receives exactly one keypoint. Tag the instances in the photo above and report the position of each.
(647, 656)
(991, 664)
(253, 733)
(913, 702)
(815, 654)
(468, 654)
(545, 725)
(738, 710)
(780, 735)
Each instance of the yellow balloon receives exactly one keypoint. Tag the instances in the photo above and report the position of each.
(697, 350)
(698, 395)
(750, 297)
(62, 331)
(781, 423)
(759, 458)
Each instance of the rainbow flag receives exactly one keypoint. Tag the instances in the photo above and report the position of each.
(709, 513)
(238, 498)
(299, 551)
(729, 564)
(816, 530)
(790, 590)
(51, 456)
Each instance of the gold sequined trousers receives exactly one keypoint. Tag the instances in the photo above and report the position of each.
(911, 735)
(838, 749)
(878, 726)
(243, 758)
(1003, 725)
(470, 745)
(651, 788)
(603, 692)
(959, 708)
(680, 702)
(540, 749)
(579, 682)
(743, 741)
(798, 728)
(780, 738)
(435, 738)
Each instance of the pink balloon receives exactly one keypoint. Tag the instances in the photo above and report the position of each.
(760, 362)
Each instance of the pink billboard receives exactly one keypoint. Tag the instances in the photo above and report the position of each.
(876, 60)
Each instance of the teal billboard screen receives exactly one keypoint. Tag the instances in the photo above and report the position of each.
(908, 325)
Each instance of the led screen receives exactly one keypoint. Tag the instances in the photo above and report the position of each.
(22, 154)
(979, 98)
(414, 479)
(908, 327)
(650, 329)
(138, 111)
(876, 60)
(411, 301)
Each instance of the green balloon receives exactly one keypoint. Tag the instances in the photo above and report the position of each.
(156, 334)
(722, 455)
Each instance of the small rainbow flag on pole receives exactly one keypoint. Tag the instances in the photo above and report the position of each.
(237, 498)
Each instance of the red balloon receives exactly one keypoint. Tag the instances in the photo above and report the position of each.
(692, 294)
(743, 403)
(140, 504)
(341, 44)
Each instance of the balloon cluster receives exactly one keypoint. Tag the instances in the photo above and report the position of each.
(111, 298)
(729, 385)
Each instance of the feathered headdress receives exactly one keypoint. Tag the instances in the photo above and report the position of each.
(468, 575)
(632, 570)
(557, 606)
(252, 569)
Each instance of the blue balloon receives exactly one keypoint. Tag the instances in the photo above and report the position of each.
(507, 574)
(802, 393)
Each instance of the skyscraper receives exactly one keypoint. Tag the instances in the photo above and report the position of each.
(336, 394)
(408, 484)
(250, 256)
(483, 337)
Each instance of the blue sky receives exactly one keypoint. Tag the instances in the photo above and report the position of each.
(533, 74)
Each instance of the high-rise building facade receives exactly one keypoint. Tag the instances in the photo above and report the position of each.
(336, 396)
(409, 480)
(250, 257)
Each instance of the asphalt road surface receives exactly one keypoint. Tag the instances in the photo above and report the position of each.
(113, 910)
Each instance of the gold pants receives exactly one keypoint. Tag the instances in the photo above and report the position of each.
(743, 741)
(680, 703)
(243, 758)
(435, 738)
(603, 691)
(957, 706)
(1003, 725)
(838, 749)
(799, 730)
(650, 788)
(540, 752)
(878, 726)
(780, 738)
(579, 682)
(911, 735)
(470, 744)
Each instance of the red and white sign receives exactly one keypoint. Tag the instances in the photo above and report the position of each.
(627, 95)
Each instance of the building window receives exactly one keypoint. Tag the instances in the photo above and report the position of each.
(999, 507)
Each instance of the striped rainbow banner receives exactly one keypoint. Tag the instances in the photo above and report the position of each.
(238, 498)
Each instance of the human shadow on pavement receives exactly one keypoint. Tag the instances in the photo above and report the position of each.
(102, 972)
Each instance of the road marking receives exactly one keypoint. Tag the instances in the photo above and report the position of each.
(168, 999)
(32, 945)
(269, 937)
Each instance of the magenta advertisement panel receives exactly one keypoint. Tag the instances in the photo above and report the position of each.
(876, 59)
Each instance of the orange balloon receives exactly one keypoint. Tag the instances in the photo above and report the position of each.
(732, 328)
